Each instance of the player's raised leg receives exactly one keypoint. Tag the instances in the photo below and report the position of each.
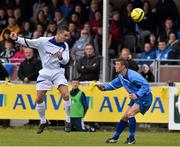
(41, 110)
(67, 103)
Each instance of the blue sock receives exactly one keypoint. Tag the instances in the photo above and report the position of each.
(119, 128)
(132, 127)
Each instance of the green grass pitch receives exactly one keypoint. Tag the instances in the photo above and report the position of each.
(50, 137)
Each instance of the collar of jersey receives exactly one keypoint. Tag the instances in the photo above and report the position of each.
(53, 41)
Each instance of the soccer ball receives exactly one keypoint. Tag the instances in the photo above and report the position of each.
(137, 14)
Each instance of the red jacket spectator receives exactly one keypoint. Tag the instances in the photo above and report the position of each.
(19, 56)
(96, 23)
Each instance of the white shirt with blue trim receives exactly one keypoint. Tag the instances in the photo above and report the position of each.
(47, 47)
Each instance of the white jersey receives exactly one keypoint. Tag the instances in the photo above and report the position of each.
(47, 47)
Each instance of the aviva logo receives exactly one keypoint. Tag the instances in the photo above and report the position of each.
(3, 100)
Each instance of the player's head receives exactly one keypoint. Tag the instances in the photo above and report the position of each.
(75, 83)
(62, 34)
(121, 65)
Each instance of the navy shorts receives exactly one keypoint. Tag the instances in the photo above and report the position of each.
(143, 102)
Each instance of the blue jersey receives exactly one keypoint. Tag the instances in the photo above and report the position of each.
(160, 55)
(133, 82)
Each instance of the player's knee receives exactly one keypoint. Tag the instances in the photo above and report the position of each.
(124, 118)
(129, 114)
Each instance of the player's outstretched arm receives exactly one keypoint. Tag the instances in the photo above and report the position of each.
(33, 43)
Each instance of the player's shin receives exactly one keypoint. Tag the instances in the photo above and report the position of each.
(67, 104)
(132, 128)
(41, 111)
(120, 128)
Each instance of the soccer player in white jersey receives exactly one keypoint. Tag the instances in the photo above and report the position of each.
(54, 54)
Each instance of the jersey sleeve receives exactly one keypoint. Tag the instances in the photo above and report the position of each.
(116, 83)
(65, 55)
(32, 43)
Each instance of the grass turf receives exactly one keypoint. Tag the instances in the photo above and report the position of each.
(50, 137)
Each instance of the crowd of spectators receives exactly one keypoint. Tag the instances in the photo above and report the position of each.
(157, 35)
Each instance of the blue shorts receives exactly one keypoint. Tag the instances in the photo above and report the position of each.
(143, 102)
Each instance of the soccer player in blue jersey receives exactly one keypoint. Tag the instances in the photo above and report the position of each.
(140, 98)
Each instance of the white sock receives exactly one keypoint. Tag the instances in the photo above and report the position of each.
(67, 105)
(41, 111)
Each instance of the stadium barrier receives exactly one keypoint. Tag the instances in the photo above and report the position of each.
(17, 101)
(160, 69)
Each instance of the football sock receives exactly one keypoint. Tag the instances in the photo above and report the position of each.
(41, 111)
(132, 127)
(119, 128)
(67, 105)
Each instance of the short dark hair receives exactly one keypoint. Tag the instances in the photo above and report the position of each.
(122, 61)
(62, 29)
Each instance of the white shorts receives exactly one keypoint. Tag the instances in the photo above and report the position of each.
(48, 77)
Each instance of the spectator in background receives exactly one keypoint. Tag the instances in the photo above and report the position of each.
(79, 10)
(19, 56)
(3, 72)
(41, 19)
(174, 43)
(126, 54)
(128, 23)
(29, 68)
(26, 30)
(87, 27)
(74, 34)
(93, 8)
(39, 28)
(163, 52)
(36, 34)
(78, 109)
(66, 8)
(8, 51)
(166, 29)
(77, 50)
(3, 19)
(12, 25)
(89, 66)
(9, 12)
(165, 9)
(52, 27)
(148, 53)
(147, 73)
(96, 23)
(59, 19)
(115, 33)
(47, 13)
(98, 40)
(37, 6)
(5, 36)
(18, 16)
(153, 41)
(74, 17)
(7, 4)
(54, 5)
